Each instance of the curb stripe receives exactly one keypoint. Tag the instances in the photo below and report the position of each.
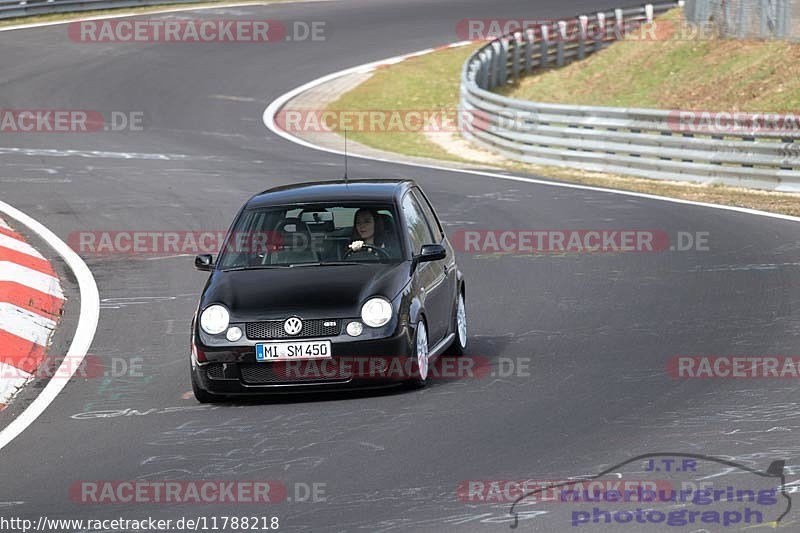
(20, 353)
(25, 260)
(27, 298)
(13, 243)
(26, 325)
(12, 372)
(11, 233)
(30, 278)
(11, 380)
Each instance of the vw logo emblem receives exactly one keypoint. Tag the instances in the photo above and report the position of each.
(292, 326)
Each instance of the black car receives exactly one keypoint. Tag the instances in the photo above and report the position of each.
(328, 285)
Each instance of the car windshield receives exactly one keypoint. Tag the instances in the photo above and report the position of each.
(312, 235)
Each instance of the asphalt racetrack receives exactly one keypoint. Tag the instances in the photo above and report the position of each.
(587, 337)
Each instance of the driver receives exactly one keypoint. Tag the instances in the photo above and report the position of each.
(367, 229)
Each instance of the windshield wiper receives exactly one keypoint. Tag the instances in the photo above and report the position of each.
(333, 263)
(255, 267)
(296, 265)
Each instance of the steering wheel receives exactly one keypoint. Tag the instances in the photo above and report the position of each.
(367, 247)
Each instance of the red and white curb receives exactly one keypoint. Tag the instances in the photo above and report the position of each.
(31, 300)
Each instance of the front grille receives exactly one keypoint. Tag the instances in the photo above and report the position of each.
(273, 329)
(281, 373)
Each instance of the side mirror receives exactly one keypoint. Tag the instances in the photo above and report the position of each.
(431, 252)
(204, 262)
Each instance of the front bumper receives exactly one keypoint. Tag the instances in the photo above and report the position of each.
(371, 362)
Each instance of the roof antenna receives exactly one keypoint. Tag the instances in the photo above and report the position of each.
(345, 157)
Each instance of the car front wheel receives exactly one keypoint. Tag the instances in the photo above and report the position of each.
(459, 345)
(420, 375)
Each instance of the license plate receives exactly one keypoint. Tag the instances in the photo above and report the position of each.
(291, 351)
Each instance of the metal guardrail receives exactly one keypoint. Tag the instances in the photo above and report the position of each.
(641, 142)
(10, 9)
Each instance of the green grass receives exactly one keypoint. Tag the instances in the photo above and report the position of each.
(670, 73)
(428, 82)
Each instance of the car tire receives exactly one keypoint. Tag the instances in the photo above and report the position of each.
(459, 345)
(420, 367)
(203, 396)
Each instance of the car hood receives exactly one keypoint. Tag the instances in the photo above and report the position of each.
(309, 292)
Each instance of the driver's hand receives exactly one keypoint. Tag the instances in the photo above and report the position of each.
(356, 245)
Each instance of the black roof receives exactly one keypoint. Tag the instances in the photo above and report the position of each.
(332, 191)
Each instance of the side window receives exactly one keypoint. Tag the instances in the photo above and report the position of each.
(417, 227)
(430, 216)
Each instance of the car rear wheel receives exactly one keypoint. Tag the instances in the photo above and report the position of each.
(421, 365)
(459, 345)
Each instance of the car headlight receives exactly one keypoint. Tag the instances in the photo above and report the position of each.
(214, 319)
(376, 312)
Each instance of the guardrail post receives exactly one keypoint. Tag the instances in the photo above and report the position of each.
(488, 61)
(784, 18)
(495, 65)
(516, 59)
(742, 21)
(544, 47)
(482, 75)
(619, 24)
(530, 37)
(503, 63)
(601, 26)
(583, 29)
(702, 13)
(560, 40)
